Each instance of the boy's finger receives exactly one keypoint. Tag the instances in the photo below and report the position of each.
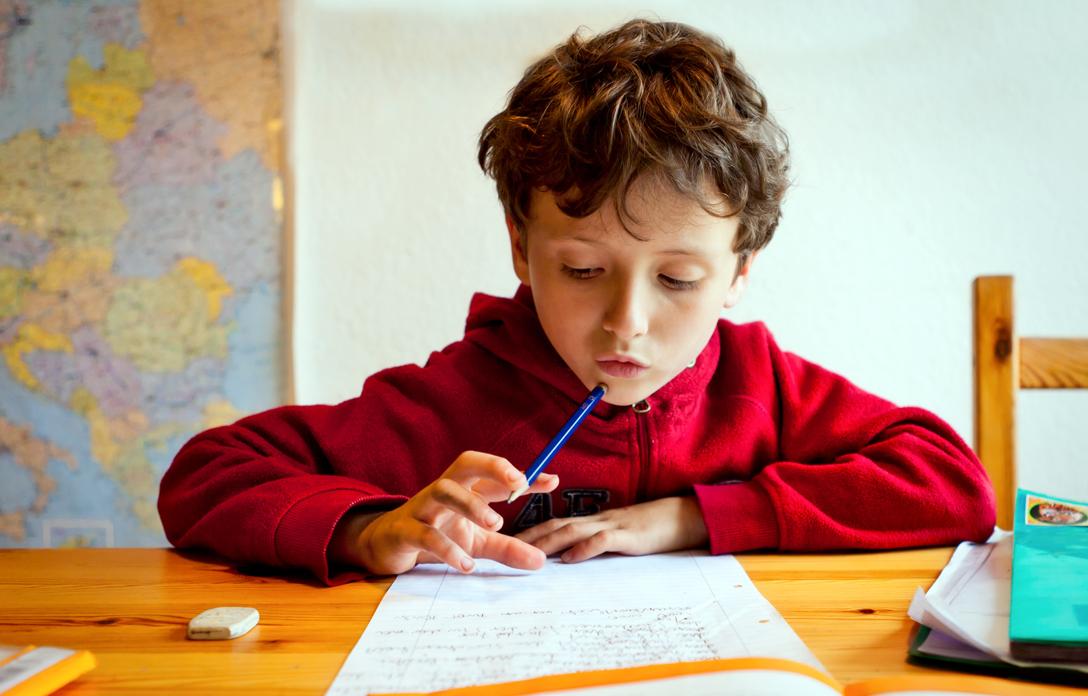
(539, 531)
(601, 542)
(545, 483)
(565, 537)
(511, 552)
(471, 466)
(447, 494)
(442, 547)
(494, 492)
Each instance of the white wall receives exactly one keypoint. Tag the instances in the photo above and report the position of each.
(932, 142)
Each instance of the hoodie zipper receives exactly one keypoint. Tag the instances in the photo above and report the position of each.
(640, 410)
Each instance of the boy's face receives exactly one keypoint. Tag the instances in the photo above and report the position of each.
(631, 314)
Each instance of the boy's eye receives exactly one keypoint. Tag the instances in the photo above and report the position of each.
(674, 284)
(581, 273)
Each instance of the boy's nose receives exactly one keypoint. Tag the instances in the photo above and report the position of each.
(627, 316)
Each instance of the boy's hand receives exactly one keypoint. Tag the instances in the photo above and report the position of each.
(450, 521)
(667, 524)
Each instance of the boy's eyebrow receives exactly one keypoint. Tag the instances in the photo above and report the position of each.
(676, 251)
(683, 252)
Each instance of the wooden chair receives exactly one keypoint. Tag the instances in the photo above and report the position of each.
(1003, 364)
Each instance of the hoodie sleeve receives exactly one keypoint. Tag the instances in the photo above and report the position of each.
(852, 471)
(270, 488)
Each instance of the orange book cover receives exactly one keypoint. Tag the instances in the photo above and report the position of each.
(740, 675)
(36, 670)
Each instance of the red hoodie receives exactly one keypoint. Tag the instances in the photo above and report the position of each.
(781, 454)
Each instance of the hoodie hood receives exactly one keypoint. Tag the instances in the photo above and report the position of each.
(509, 329)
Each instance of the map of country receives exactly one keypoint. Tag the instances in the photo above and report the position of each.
(140, 237)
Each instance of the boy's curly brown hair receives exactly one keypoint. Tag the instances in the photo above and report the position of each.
(647, 97)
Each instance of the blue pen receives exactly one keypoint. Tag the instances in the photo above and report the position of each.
(559, 440)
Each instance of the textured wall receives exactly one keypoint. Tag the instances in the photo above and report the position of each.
(932, 142)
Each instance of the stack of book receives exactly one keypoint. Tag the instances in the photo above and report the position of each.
(1016, 605)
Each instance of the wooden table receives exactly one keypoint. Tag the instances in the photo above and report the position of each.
(130, 607)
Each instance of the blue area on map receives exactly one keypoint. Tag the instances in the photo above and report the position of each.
(252, 381)
(36, 57)
(94, 494)
(18, 484)
(160, 458)
(87, 493)
(63, 427)
(83, 493)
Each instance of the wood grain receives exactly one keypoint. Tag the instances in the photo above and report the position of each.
(996, 377)
(1054, 363)
(130, 607)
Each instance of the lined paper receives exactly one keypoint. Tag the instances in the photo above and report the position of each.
(438, 629)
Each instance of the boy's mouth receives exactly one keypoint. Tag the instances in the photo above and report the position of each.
(621, 366)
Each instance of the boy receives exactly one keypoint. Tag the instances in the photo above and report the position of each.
(640, 174)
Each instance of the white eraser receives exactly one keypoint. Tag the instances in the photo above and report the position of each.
(223, 623)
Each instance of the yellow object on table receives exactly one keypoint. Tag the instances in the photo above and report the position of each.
(34, 670)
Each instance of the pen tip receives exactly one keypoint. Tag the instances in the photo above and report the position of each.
(517, 494)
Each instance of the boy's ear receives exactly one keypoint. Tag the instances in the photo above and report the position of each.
(740, 282)
(517, 250)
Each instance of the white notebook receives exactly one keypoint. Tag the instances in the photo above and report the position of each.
(438, 629)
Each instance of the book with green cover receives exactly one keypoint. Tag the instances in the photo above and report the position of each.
(974, 662)
(1048, 613)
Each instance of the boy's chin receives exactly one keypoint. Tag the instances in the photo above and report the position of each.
(624, 393)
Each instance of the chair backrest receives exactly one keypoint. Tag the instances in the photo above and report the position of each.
(1004, 363)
